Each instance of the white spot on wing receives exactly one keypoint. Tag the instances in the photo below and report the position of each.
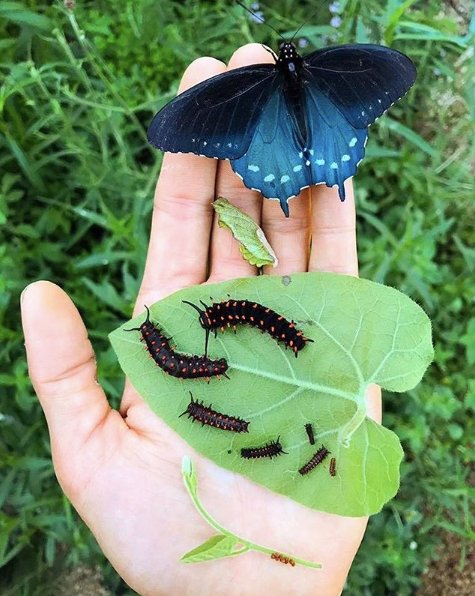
(353, 142)
(345, 157)
(284, 178)
(269, 178)
(253, 168)
(297, 168)
(334, 165)
(320, 162)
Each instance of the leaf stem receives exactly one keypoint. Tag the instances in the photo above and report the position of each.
(189, 479)
(347, 431)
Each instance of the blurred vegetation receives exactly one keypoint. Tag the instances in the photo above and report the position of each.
(77, 90)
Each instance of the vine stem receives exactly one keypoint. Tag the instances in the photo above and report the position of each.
(190, 482)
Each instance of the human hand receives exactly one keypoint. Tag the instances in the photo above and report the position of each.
(122, 470)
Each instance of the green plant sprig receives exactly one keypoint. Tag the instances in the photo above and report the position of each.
(225, 543)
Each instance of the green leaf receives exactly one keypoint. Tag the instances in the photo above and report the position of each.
(363, 333)
(420, 31)
(409, 135)
(253, 243)
(468, 340)
(216, 547)
(18, 13)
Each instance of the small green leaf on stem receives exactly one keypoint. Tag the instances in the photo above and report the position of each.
(224, 543)
(216, 547)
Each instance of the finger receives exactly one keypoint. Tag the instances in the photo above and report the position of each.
(182, 215)
(374, 402)
(289, 237)
(334, 250)
(62, 368)
(333, 231)
(226, 261)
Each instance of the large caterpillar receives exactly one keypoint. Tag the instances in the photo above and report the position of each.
(272, 449)
(314, 461)
(237, 312)
(206, 415)
(183, 366)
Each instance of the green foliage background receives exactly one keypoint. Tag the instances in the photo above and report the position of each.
(77, 89)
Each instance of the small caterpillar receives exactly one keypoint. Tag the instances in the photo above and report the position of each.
(315, 460)
(283, 559)
(206, 415)
(272, 449)
(235, 312)
(311, 436)
(332, 468)
(179, 365)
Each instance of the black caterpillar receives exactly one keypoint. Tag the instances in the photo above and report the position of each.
(271, 449)
(235, 312)
(174, 363)
(316, 459)
(311, 436)
(206, 415)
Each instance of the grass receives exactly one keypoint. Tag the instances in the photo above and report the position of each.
(77, 90)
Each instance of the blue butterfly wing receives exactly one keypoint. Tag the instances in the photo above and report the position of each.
(215, 118)
(279, 166)
(362, 80)
(345, 89)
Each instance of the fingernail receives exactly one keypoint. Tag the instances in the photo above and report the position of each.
(22, 295)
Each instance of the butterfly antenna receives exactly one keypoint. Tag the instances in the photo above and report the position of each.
(307, 21)
(259, 18)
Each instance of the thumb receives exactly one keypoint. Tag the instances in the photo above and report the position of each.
(62, 368)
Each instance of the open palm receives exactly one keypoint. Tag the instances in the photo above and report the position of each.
(122, 470)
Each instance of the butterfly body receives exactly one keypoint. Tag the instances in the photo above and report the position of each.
(288, 125)
(290, 63)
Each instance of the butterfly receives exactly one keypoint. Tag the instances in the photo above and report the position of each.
(285, 126)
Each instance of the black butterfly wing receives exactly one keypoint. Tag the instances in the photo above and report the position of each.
(362, 80)
(217, 117)
(279, 166)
